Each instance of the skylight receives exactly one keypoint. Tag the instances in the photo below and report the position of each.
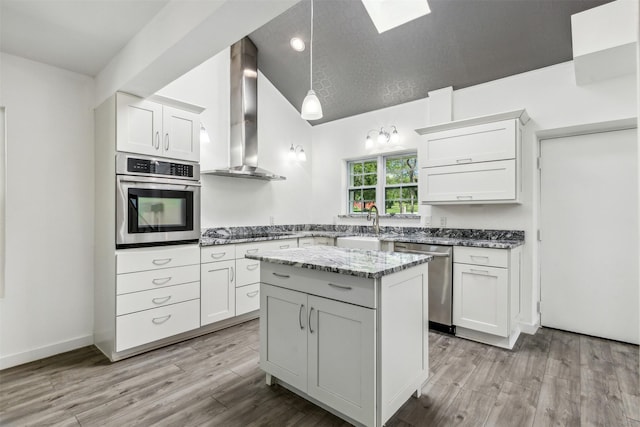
(388, 14)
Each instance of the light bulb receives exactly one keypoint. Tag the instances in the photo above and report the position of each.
(292, 153)
(302, 156)
(311, 108)
(368, 142)
(382, 137)
(395, 136)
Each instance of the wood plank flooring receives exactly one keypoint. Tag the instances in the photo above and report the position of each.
(554, 378)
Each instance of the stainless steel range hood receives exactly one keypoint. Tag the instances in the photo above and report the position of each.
(243, 150)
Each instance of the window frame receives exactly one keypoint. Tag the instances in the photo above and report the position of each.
(400, 186)
(362, 187)
(381, 182)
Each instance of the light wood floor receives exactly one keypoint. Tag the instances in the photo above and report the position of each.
(553, 378)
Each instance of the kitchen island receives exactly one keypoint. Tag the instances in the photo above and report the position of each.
(345, 328)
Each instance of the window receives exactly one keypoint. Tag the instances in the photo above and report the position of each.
(389, 182)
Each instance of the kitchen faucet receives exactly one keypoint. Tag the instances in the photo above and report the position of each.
(376, 219)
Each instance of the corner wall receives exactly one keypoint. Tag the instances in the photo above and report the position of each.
(48, 303)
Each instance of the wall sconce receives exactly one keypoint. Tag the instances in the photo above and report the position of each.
(383, 136)
(297, 153)
(204, 135)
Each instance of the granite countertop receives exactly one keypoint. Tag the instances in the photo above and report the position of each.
(451, 241)
(354, 262)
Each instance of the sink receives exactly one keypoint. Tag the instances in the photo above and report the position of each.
(359, 242)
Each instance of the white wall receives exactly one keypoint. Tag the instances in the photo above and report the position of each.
(235, 201)
(552, 100)
(48, 303)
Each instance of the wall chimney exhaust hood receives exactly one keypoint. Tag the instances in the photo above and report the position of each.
(243, 150)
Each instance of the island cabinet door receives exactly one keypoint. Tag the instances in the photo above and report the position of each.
(341, 345)
(283, 334)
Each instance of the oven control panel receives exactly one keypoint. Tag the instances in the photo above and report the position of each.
(159, 167)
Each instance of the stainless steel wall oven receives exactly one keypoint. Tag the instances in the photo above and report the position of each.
(157, 201)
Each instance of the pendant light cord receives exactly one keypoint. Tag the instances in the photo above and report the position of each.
(311, 51)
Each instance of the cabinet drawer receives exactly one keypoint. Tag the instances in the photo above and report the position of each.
(247, 271)
(138, 301)
(247, 298)
(481, 256)
(145, 280)
(470, 144)
(305, 242)
(469, 183)
(351, 289)
(130, 260)
(217, 253)
(253, 248)
(147, 326)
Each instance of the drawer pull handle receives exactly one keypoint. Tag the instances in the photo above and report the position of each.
(161, 300)
(463, 160)
(479, 257)
(252, 267)
(307, 244)
(479, 271)
(252, 294)
(310, 311)
(161, 320)
(252, 251)
(464, 197)
(163, 261)
(284, 246)
(218, 255)
(341, 287)
(284, 276)
(300, 316)
(161, 281)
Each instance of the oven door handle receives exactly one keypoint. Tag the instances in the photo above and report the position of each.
(160, 181)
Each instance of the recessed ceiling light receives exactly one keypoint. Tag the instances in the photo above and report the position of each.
(388, 14)
(297, 44)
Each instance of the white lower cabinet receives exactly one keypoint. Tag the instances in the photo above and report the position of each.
(217, 291)
(323, 347)
(247, 298)
(486, 294)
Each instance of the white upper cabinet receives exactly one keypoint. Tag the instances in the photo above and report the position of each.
(472, 161)
(148, 127)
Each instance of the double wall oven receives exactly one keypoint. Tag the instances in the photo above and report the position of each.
(157, 201)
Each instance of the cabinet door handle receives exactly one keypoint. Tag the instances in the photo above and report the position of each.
(284, 246)
(479, 271)
(166, 142)
(233, 274)
(252, 251)
(300, 316)
(218, 255)
(252, 294)
(161, 320)
(464, 160)
(161, 300)
(464, 197)
(284, 276)
(157, 144)
(163, 261)
(161, 281)
(341, 287)
(310, 311)
(252, 267)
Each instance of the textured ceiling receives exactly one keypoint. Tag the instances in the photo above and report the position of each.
(461, 43)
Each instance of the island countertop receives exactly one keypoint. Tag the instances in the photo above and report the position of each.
(354, 262)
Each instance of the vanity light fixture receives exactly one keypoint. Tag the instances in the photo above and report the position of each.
(311, 108)
(297, 153)
(383, 137)
(297, 44)
(204, 135)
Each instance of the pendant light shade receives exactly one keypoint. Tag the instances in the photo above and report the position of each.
(311, 108)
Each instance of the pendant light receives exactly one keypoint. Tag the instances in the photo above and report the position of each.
(311, 108)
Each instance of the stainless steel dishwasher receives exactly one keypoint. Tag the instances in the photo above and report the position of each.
(440, 283)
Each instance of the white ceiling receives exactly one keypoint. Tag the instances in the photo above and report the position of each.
(77, 35)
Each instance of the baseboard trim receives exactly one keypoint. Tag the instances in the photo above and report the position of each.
(32, 355)
(529, 328)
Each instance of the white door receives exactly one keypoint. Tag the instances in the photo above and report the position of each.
(181, 139)
(217, 291)
(139, 125)
(480, 296)
(342, 352)
(589, 225)
(283, 334)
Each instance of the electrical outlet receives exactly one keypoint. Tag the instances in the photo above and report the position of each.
(427, 220)
(443, 221)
